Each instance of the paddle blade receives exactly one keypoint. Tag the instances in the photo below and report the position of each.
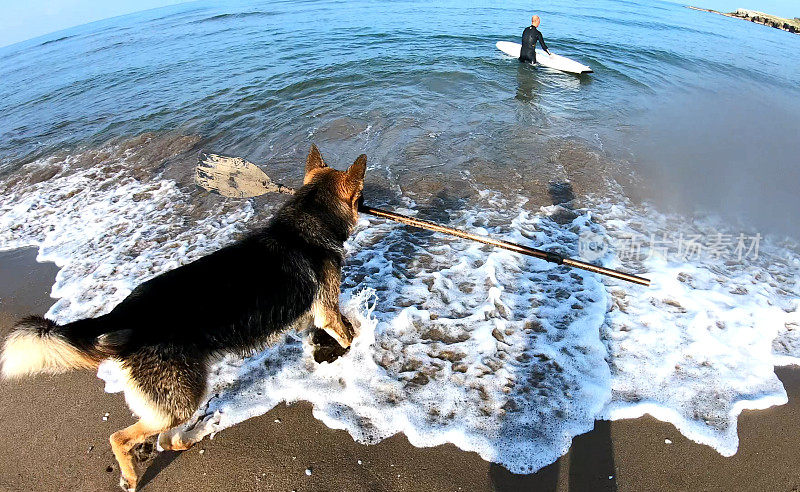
(234, 177)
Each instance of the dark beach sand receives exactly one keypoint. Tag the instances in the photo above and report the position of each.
(53, 437)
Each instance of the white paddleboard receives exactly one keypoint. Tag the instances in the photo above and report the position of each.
(556, 62)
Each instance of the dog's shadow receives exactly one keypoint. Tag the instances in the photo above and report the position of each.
(160, 461)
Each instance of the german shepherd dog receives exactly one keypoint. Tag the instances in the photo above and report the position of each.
(165, 335)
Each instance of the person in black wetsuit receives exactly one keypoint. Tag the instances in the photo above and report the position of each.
(529, 37)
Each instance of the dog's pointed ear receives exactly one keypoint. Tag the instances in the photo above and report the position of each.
(355, 173)
(314, 159)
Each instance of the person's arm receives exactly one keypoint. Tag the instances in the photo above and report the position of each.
(544, 46)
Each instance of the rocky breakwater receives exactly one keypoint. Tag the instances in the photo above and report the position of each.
(790, 25)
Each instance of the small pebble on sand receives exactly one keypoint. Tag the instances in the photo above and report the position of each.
(308, 471)
(667, 441)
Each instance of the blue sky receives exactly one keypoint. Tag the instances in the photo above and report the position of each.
(26, 19)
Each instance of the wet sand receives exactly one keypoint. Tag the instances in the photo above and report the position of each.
(53, 437)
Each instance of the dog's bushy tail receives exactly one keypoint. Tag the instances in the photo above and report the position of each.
(36, 345)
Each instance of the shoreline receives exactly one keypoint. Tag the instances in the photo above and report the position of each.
(55, 438)
(782, 23)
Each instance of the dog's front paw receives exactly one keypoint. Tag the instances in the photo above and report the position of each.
(342, 332)
(348, 333)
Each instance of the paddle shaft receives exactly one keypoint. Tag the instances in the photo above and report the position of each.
(235, 177)
(536, 253)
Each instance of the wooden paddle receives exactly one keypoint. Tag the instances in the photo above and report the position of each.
(235, 177)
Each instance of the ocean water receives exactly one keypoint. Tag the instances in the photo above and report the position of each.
(675, 160)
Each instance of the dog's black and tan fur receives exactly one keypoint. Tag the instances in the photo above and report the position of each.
(170, 328)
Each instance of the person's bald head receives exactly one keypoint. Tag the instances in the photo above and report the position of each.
(535, 21)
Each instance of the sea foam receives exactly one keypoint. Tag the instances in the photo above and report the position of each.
(500, 354)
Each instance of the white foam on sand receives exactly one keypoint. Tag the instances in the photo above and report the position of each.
(700, 345)
(108, 232)
(497, 353)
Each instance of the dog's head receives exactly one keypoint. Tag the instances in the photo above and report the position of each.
(342, 187)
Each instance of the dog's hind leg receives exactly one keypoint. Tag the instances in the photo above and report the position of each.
(122, 442)
(163, 389)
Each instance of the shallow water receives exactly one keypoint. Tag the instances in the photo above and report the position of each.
(507, 356)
